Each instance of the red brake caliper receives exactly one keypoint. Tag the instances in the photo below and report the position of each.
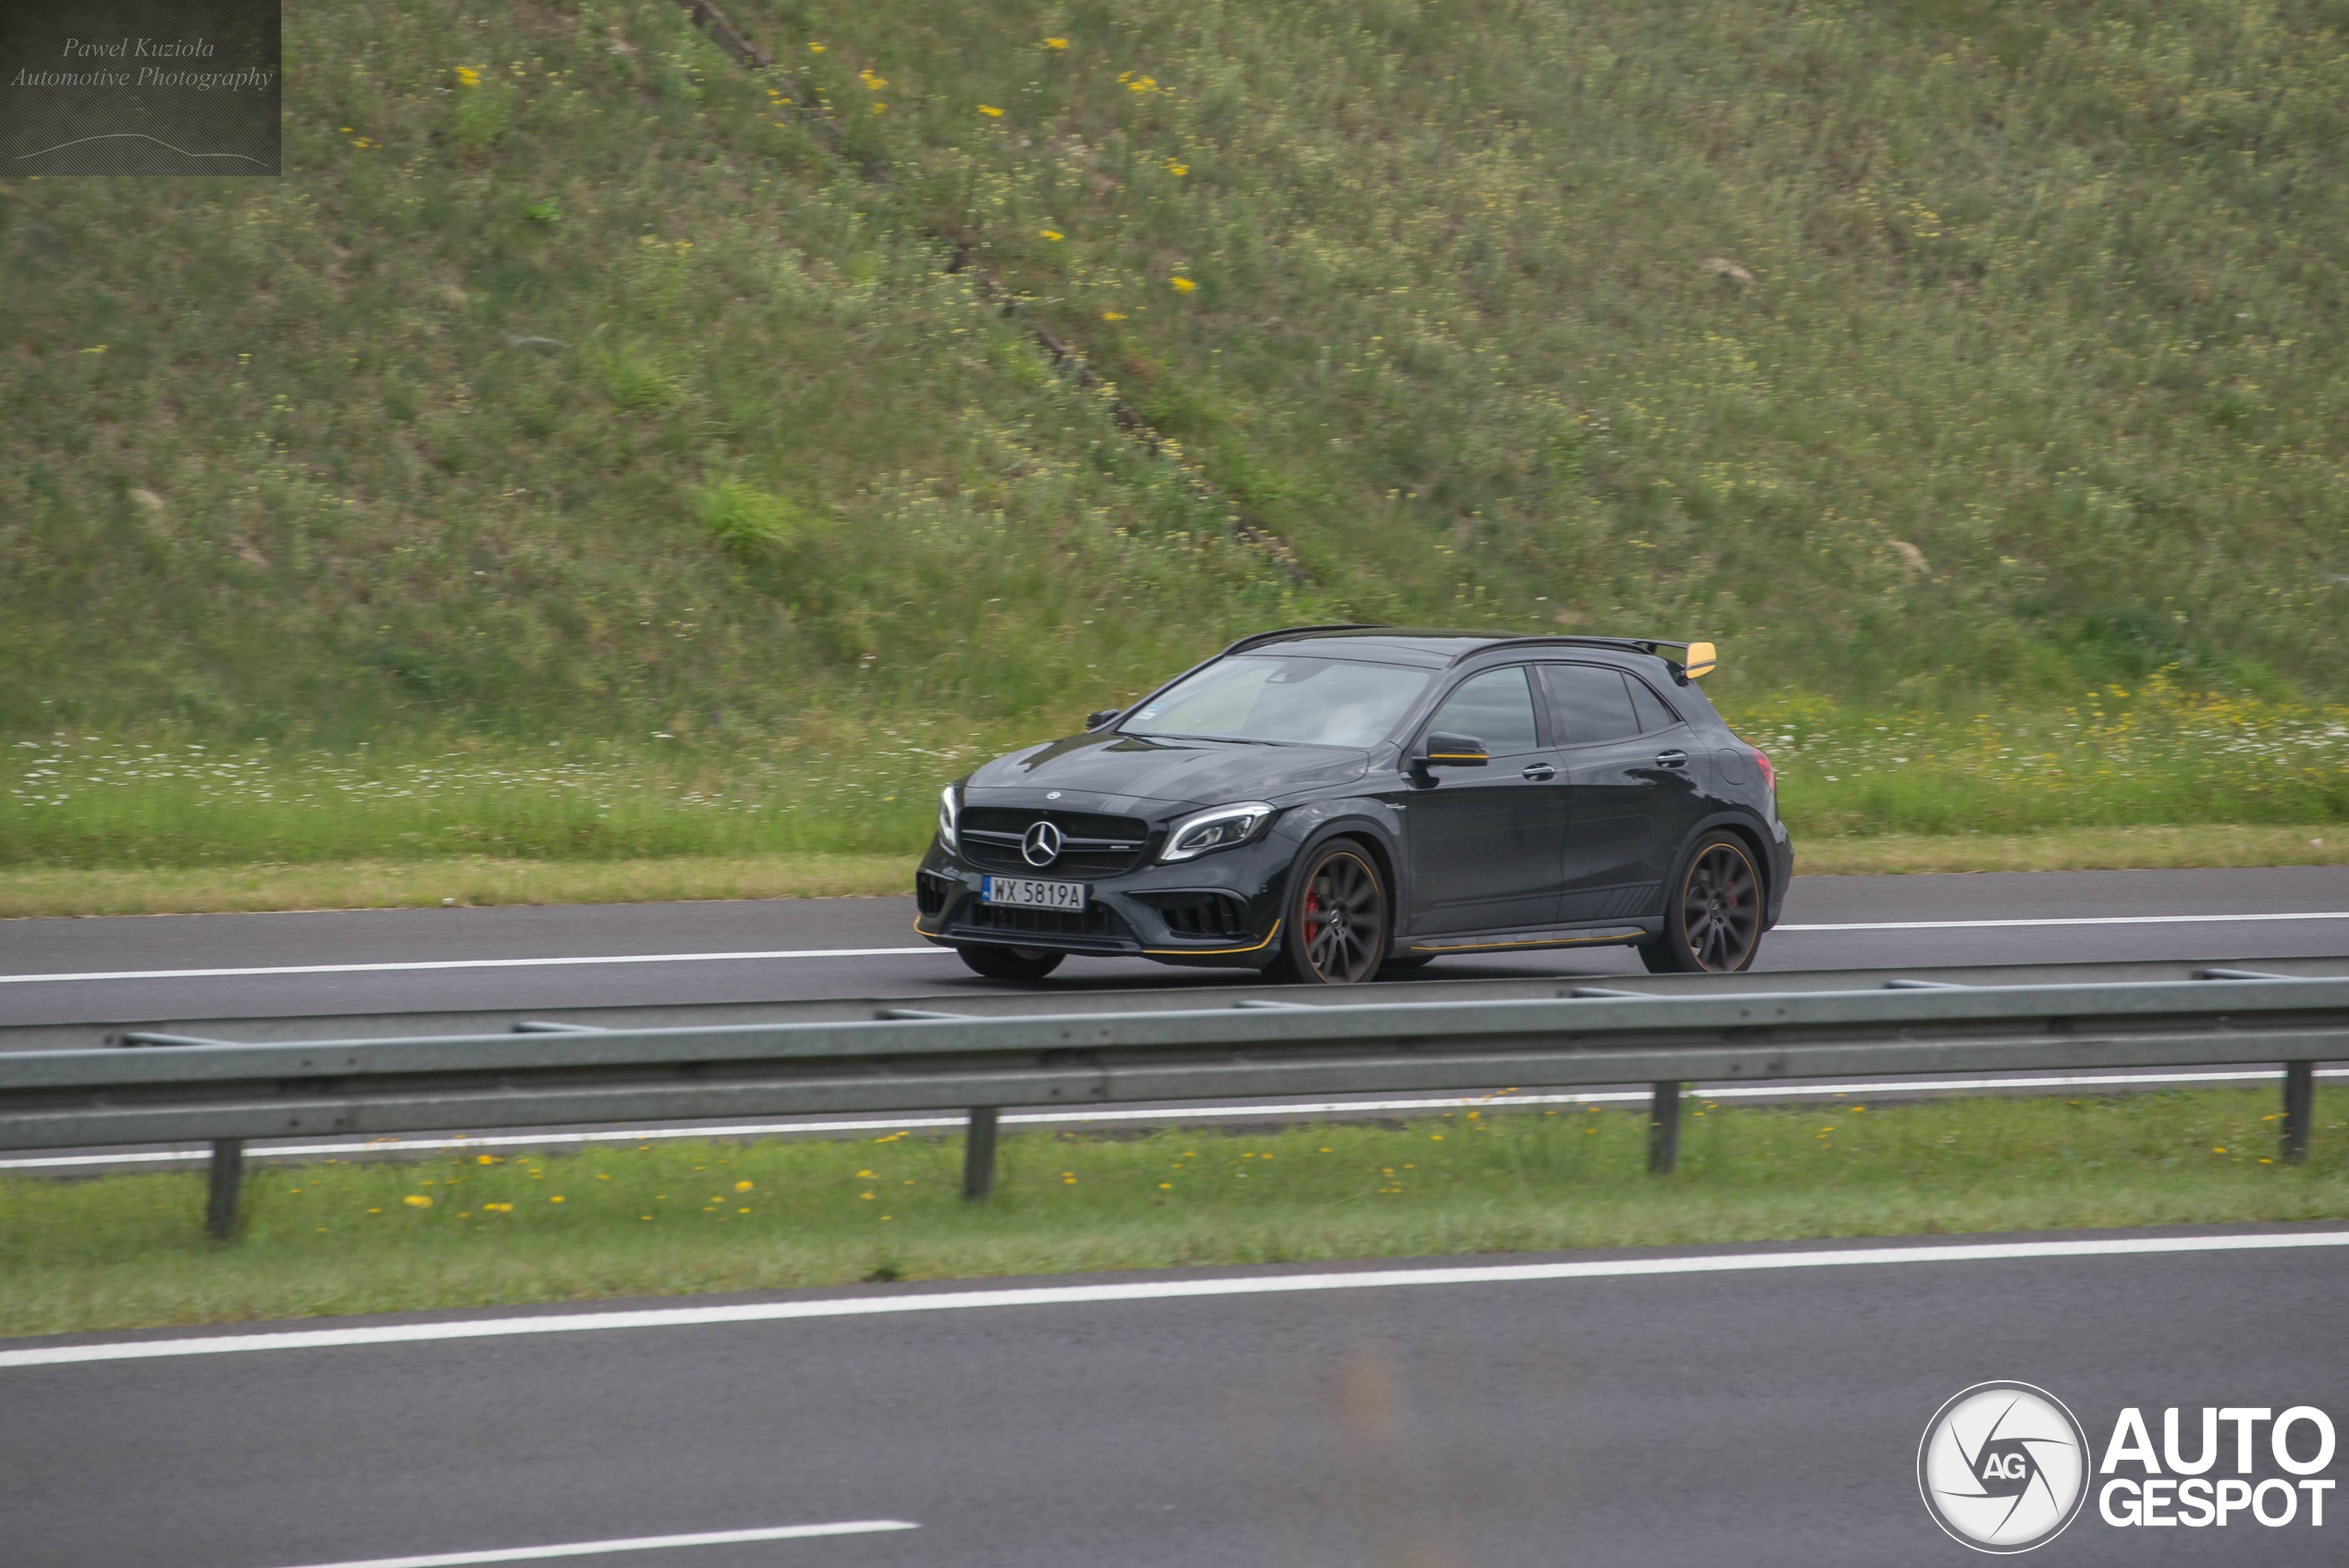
(1312, 914)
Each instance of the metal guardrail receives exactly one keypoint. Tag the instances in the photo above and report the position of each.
(550, 1072)
(984, 999)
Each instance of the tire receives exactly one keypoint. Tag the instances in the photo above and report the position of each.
(1713, 920)
(1338, 922)
(1011, 963)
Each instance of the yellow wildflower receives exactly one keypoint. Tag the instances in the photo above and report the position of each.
(1177, 167)
(1181, 284)
(1056, 44)
(1112, 315)
(417, 1200)
(1051, 233)
(990, 110)
(469, 76)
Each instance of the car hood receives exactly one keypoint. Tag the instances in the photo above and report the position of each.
(1135, 776)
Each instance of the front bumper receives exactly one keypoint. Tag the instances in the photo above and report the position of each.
(1220, 909)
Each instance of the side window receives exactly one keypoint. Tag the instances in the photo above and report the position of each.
(1655, 712)
(1497, 707)
(1589, 703)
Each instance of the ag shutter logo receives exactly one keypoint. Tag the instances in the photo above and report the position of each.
(2003, 1467)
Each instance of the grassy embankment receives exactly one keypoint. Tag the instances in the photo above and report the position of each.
(661, 1220)
(1941, 361)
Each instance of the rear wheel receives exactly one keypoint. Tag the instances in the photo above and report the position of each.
(1011, 963)
(1337, 926)
(1712, 921)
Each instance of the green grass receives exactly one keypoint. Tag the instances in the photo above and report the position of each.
(2121, 757)
(1935, 357)
(122, 1252)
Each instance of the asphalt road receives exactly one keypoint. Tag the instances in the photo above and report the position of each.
(1873, 912)
(1754, 1417)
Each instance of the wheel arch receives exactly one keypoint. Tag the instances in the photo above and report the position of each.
(1384, 860)
(1373, 837)
(1746, 832)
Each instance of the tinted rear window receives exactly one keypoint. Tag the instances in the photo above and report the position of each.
(1655, 713)
(1589, 703)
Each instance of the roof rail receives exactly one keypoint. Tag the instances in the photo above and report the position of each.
(1300, 631)
(1638, 644)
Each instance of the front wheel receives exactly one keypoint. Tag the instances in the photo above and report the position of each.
(1011, 963)
(1338, 924)
(1712, 921)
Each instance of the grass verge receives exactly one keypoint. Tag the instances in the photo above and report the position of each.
(123, 1252)
(464, 880)
(483, 879)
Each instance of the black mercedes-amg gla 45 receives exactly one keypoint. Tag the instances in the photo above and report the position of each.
(1325, 804)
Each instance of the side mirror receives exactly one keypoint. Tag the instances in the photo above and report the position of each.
(1096, 720)
(1440, 749)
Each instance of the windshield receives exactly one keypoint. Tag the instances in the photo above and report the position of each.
(1294, 701)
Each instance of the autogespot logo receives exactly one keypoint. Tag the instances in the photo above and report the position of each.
(2003, 1467)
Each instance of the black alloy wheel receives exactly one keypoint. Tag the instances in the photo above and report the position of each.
(1712, 924)
(1011, 963)
(1337, 921)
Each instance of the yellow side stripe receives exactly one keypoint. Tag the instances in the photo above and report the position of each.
(1539, 942)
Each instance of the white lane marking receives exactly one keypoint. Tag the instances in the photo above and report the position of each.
(463, 963)
(902, 952)
(2066, 920)
(1155, 1290)
(640, 1543)
(1175, 1114)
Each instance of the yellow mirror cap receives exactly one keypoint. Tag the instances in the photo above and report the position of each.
(1700, 661)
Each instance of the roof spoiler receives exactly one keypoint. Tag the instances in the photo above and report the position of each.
(1697, 660)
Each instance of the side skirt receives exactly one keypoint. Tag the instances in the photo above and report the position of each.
(1563, 937)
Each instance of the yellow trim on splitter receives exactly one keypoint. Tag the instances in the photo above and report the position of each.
(1214, 952)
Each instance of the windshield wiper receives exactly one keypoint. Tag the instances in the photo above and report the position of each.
(1228, 740)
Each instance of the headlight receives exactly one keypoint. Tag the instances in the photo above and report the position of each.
(1217, 830)
(949, 808)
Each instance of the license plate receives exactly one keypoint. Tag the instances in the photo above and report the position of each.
(1027, 892)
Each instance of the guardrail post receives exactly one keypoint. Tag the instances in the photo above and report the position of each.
(1664, 1129)
(978, 1154)
(2299, 1109)
(228, 1179)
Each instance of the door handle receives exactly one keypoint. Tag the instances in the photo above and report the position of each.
(1671, 759)
(1541, 773)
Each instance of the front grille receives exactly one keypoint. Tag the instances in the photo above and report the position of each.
(1097, 845)
(1095, 920)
